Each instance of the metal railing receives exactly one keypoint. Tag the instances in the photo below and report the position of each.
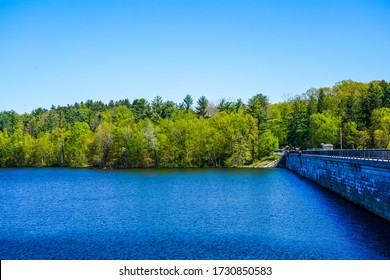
(376, 155)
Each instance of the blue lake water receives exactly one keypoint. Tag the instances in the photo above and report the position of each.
(181, 214)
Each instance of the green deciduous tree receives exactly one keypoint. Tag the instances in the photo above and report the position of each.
(102, 145)
(77, 146)
(324, 128)
(267, 143)
(44, 150)
(5, 149)
(350, 135)
(122, 116)
(149, 133)
(380, 120)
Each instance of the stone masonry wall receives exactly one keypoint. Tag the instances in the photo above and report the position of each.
(366, 183)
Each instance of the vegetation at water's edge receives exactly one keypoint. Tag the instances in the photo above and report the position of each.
(165, 134)
(265, 162)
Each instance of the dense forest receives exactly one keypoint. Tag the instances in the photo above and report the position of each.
(195, 133)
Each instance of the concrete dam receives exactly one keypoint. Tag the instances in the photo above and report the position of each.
(361, 176)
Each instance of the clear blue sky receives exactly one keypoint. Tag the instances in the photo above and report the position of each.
(65, 51)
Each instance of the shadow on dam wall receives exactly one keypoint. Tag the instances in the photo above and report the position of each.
(364, 182)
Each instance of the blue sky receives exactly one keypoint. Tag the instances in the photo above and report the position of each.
(61, 52)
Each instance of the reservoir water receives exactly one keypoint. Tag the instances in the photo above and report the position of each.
(181, 214)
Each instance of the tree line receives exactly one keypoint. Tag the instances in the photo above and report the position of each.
(160, 133)
(360, 112)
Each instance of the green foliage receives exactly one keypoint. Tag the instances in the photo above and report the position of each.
(321, 105)
(324, 128)
(201, 109)
(163, 134)
(381, 127)
(298, 123)
(44, 149)
(187, 102)
(363, 139)
(102, 145)
(386, 94)
(225, 105)
(77, 145)
(257, 107)
(273, 157)
(121, 116)
(370, 101)
(350, 135)
(267, 144)
(8, 121)
(141, 109)
(5, 152)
